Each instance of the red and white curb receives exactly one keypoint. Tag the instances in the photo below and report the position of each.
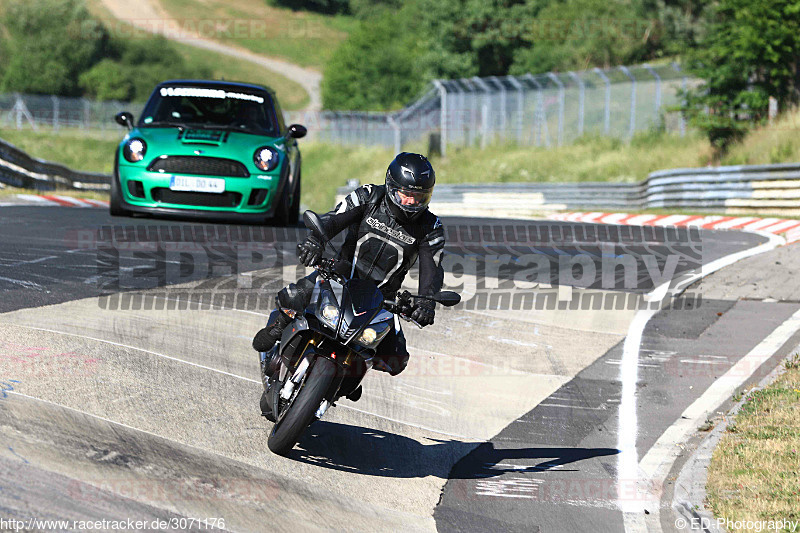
(62, 201)
(789, 228)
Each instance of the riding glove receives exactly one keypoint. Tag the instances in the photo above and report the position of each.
(309, 252)
(423, 312)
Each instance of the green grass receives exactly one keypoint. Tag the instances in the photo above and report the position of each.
(77, 149)
(776, 143)
(6, 192)
(323, 164)
(292, 95)
(327, 167)
(307, 39)
(755, 470)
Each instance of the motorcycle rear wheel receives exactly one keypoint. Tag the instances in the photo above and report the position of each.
(288, 430)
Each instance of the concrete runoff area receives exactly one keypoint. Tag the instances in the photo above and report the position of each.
(504, 419)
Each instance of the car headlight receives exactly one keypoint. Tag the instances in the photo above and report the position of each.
(134, 150)
(373, 334)
(266, 158)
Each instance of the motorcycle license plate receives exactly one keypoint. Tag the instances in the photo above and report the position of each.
(184, 183)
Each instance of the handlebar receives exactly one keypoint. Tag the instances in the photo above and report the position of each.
(327, 267)
(402, 307)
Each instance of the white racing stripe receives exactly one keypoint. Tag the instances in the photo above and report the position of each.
(627, 432)
(656, 464)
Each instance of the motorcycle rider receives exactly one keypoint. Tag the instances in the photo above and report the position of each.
(389, 228)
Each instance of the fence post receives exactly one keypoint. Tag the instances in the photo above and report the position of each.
(581, 99)
(502, 89)
(682, 121)
(56, 103)
(561, 95)
(484, 110)
(459, 114)
(442, 117)
(540, 117)
(658, 86)
(632, 126)
(607, 113)
(86, 113)
(398, 142)
(520, 104)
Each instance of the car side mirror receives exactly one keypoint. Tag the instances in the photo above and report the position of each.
(447, 298)
(296, 131)
(124, 119)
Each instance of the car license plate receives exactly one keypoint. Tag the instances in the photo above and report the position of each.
(183, 183)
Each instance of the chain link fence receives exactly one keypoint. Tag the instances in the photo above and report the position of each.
(55, 112)
(542, 110)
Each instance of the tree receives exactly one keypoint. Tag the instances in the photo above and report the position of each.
(49, 45)
(374, 69)
(751, 52)
(580, 34)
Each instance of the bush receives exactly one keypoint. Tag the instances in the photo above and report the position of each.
(750, 53)
(375, 68)
(48, 46)
(56, 47)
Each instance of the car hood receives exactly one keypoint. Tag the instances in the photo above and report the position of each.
(208, 142)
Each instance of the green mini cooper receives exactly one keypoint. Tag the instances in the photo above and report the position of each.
(209, 149)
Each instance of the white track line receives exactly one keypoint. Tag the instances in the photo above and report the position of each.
(218, 371)
(37, 199)
(627, 427)
(657, 463)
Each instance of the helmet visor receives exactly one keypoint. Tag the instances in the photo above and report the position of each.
(411, 199)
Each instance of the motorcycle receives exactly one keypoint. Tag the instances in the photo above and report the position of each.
(328, 348)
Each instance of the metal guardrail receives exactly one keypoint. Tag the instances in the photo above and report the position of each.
(18, 169)
(728, 190)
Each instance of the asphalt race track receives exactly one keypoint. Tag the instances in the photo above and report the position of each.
(130, 390)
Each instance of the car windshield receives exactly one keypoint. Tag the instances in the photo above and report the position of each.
(229, 108)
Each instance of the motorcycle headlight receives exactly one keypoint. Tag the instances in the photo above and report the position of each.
(134, 150)
(266, 158)
(330, 313)
(373, 334)
(327, 310)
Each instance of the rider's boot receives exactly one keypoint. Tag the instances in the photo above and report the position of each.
(266, 338)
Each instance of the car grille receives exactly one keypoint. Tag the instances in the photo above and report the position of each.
(198, 199)
(200, 165)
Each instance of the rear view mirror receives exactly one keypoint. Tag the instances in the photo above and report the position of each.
(313, 222)
(296, 131)
(447, 298)
(124, 119)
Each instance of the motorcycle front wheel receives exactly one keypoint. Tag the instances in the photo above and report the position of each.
(288, 430)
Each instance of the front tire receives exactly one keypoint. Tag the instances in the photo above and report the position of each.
(287, 432)
(115, 201)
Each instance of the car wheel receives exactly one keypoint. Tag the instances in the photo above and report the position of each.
(294, 210)
(115, 201)
(288, 211)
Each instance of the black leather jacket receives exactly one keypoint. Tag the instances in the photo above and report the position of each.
(380, 247)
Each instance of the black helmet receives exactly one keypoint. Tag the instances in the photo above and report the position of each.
(409, 185)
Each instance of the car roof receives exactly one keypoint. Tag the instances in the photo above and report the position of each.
(219, 83)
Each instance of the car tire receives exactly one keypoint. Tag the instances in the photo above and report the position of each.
(294, 210)
(115, 200)
(288, 212)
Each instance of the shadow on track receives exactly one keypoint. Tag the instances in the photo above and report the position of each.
(378, 453)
